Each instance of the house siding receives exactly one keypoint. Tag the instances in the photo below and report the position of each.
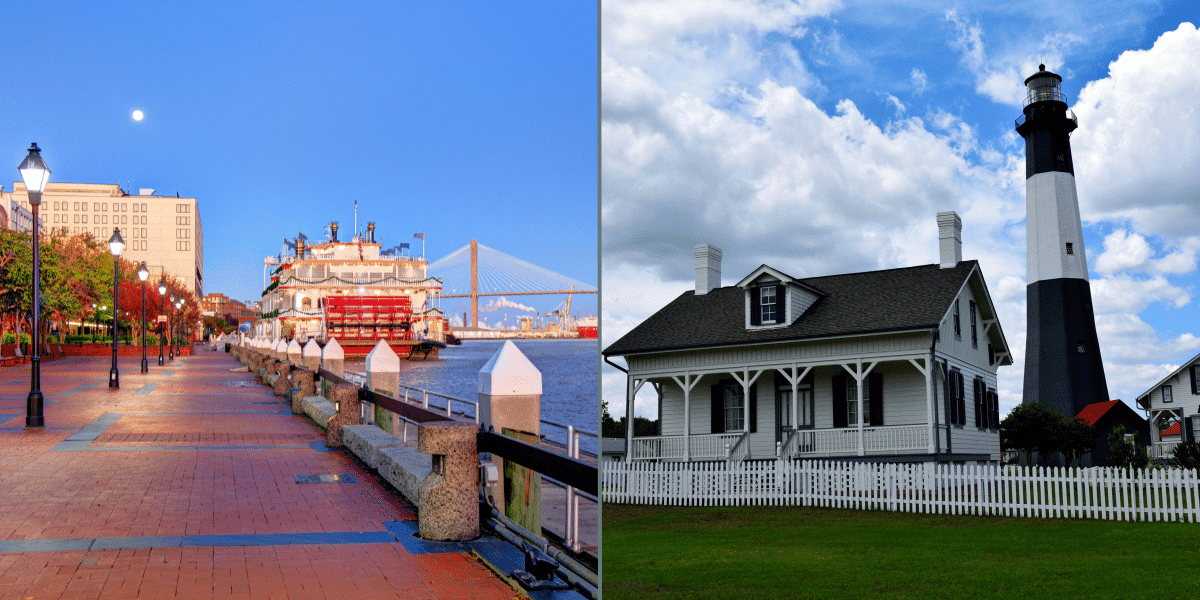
(844, 349)
(799, 300)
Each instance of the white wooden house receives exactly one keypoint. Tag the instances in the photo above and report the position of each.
(1176, 396)
(890, 365)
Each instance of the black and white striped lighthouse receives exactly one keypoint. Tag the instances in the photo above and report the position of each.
(1062, 357)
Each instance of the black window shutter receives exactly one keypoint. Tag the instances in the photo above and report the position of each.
(994, 412)
(781, 303)
(752, 408)
(979, 403)
(962, 401)
(1196, 379)
(755, 307)
(718, 407)
(991, 355)
(839, 401)
(875, 386)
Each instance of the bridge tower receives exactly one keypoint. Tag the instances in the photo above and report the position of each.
(1063, 369)
(474, 283)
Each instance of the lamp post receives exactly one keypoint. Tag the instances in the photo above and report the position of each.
(171, 332)
(115, 245)
(95, 321)
(162, 290)
(143, 274)
(179, 322)
(35, 174)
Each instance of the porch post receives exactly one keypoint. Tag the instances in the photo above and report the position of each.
(629, 393)
(687, 417)
(858, 376)
(929, 404)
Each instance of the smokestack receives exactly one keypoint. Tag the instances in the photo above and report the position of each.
(708, 268)
(333, 231)
(949, 238)
(371, 233)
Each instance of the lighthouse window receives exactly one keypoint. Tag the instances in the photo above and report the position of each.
(1080, 348)
(1070, 248)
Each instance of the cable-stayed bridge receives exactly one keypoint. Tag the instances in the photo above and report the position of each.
(489, 272)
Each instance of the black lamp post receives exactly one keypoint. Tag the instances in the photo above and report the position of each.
(143, 274)
(115, 245)
(171, 332)
(162, 289)
(35, 174)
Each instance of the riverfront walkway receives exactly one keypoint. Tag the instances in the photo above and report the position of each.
(193, 481)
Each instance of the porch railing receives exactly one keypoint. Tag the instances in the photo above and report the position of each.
(703, 447)
(1163, 449)
(740, 450)
(825, 442)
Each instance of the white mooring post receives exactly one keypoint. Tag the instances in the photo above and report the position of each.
(333, 358)
(310, 355)
(510, 397)
(383, 376)
(294, 353)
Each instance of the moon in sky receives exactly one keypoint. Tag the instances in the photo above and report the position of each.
(138, 115)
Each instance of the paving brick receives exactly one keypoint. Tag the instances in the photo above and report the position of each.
(103, 502)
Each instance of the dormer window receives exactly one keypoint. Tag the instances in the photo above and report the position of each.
(767, 304)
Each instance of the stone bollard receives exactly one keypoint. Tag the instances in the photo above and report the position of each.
(333, 358)
(293, 353)
(283, 385)
(311, 355)
(306, 386)
(279, 350)
(345, 397)
(383, 376)
(510, 398)
(449, 496)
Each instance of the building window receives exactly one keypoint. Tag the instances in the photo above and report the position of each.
(1070, 248)
(767, 302)
(1167, 397)
(957, 321)
(183, 246)
(735, 408)
(852, 402)
(974, 333)
(1079, 347)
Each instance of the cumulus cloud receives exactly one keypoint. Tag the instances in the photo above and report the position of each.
(920, 81)
(1138, 146)
(1127, 251)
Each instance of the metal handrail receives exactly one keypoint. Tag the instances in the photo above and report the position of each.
(781, 449)
(731, 453)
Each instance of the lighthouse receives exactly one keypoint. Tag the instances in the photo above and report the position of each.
(1062, 357)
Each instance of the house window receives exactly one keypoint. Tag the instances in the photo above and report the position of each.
(974, 333)
(804, 410)
(852, 402)
(735, 408)
(767, 303)
(1167, 398)
(957, 322)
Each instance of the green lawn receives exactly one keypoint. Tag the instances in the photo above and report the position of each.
(787, 552)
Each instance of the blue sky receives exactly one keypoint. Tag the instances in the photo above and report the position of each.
(822, 137)
(458, 119)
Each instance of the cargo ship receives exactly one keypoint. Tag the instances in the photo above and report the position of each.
(587, 327)
(354, 292)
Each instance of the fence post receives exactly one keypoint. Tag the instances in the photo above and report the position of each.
(383, 376)
(345, 398)
(449, 495)
(510, 397)
(333, 358)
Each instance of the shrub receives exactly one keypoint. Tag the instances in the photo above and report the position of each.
(1187, 454)
(8, 338)
(25, 339)
(1125, 453)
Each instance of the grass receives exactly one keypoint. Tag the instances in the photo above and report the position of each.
(778, 552)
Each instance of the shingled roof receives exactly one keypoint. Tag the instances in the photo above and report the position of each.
(911, 298)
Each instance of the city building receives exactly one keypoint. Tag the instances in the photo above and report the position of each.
(16, 216)
(163, 231)
(893, 365)
(233, 311)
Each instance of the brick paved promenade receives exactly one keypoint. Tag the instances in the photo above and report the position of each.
(183, 483)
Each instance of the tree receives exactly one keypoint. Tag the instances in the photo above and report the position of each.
(1187, 454)
(1032, 427)
(1076, 438)
(1125, 453)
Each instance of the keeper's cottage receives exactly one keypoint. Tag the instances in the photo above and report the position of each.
(892, 365)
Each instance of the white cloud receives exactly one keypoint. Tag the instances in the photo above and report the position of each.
(1138, 146)
(920, 81)
(895, 102)
(1124, 294)
(1126, 251)
(503, 302)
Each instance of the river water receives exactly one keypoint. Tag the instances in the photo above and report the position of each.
(569, 379)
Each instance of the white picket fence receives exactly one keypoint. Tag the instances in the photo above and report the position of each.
(1095, 493)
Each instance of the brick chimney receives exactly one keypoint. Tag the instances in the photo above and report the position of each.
(949, 238)
(708, 268)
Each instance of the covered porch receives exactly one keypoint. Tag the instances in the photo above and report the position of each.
(865, 406)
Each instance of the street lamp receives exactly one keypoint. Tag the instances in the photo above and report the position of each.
(35, 174)
(179, 323)
(143, 274)
(171, 332)
(95, 321)
(115, 245)
(162, 290)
